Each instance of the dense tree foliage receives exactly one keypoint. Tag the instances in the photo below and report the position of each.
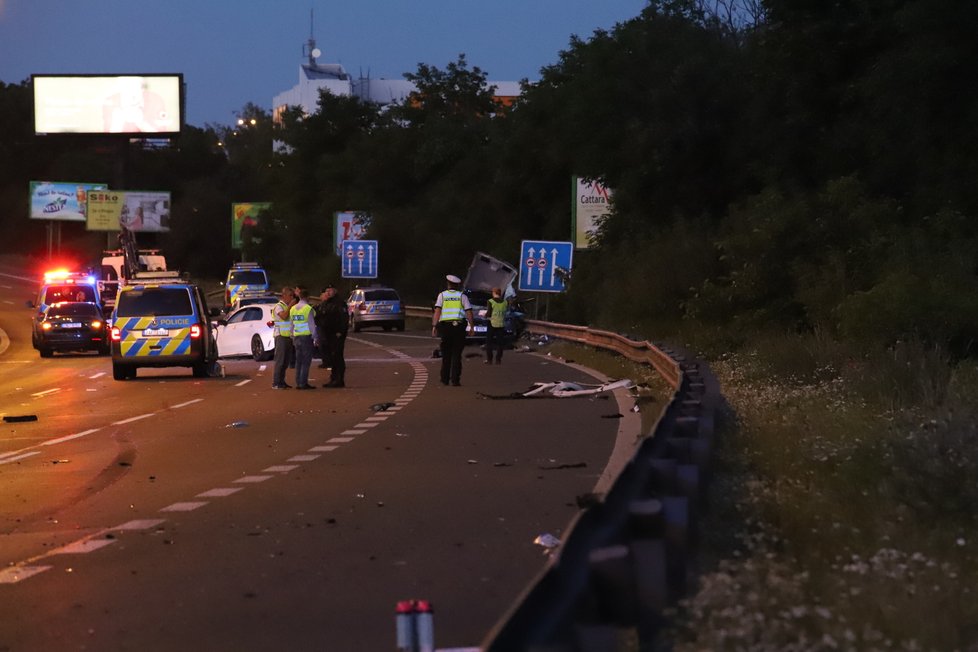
(785, 164)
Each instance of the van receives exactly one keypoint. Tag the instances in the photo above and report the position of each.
(244, 277)
(161, 320)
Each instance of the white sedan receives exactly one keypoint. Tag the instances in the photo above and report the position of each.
(246, 331)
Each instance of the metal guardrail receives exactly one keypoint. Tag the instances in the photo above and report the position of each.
(625, 559)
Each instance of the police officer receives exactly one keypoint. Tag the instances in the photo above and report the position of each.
(304, 337)
(332, 334)
(452, 311)
(282, 329)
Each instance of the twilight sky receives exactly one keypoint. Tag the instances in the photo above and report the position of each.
(231, 53)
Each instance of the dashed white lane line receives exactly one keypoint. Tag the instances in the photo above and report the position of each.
(243, 382)
(186, 403)
(98, 375)
(185, 506)
(14, 574)
(377, 418)
(303, 458)
(339, 440)
(18, 457)
(83, 433)
(82, 546)
(368, 424)
(131, 419)
(281, 468)
(46, 392)
(253, 479)
(353, 432)
(139, 524)
(323, 449)
(222, 492)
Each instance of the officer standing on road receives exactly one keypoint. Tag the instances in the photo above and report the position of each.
(335, 323)
(282, 329)
(304, 337)
(452, 311)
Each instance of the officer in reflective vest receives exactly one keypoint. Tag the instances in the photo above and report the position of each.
(452, 311)
(282, 329)
(304, 337)
(496, 332)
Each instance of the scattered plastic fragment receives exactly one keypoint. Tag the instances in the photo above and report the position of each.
(472, 461)
(616, 415)
(20, 418)
(380, 407)
(237, 424)
(498, 464)
(556, 467)
(635, 408)
(548, 541)
(401, 434)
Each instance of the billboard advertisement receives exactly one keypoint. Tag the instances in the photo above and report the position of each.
(131, 105)
(244, 217)
(139, 211)
(349, 225)
(591, 201)
(60, 200)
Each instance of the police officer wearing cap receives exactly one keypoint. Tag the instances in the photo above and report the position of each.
(452, 311)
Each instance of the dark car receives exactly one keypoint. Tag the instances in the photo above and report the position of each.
(70, 326)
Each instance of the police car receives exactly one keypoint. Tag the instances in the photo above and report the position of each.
(62, 285)
(244, 278)
(375, 306)
(161, 320)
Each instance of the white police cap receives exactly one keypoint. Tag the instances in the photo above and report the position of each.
(451, 278)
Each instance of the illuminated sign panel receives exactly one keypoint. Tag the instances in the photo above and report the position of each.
(60, 200)
(131, 105)
(109, 210)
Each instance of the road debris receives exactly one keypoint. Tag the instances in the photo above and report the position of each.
(20, 418)
(548, 541)
(237, 424)
(557, 467)
(563, 389)
(380, 407)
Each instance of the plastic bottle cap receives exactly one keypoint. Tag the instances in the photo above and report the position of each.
(423, 606)
(405, 607)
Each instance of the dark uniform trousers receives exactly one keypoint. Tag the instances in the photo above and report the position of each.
(452, 335)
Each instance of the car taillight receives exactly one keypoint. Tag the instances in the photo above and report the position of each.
(116, 335)
(195, 332)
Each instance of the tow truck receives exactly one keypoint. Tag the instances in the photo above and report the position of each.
(122, 264)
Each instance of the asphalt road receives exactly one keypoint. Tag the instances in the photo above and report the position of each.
(218, 514)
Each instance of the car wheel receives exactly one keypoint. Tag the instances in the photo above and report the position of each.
(122, 371)
(45, 352)
(357, 326)
(200, 369)
(399, 326)
(387, 328)
(258, 351)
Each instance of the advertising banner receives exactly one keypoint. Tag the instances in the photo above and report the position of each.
(244, 218)
(108, 104)
(60, 200)
(591, 201)
(349, 225)
(139, 211)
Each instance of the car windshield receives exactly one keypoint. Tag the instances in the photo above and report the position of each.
(56, 293)
(381, 295)
(250, 277)
(85, 309)
(154, 302)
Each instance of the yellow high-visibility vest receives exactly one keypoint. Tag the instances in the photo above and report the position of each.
(451, 306)
(281, 327)
(301, 322)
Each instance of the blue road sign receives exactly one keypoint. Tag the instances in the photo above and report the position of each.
(545, 265)
(359, 259)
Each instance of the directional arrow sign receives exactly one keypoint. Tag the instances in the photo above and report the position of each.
(359, 259)
(544, 265)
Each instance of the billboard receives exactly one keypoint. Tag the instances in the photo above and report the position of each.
(60, 200)
(244, 217)
(349, 225)
(591, 201)
(131, 105)
(139, 211)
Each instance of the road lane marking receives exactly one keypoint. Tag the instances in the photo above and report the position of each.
(184, 507)
(223, 492)
(243, 382)
(353, 432)
(253, 479)
(367, 425)
(138, 524)
(98, 375)
(59, 440)
(14, 574)
(339, 440)
(303, 458)
(323, 449)
(186, 403)
(19, 457)
(82, 546)
(46, 392)
(280, 468)
(131, 419)
(378, 418)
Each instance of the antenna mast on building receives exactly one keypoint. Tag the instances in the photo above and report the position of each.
(310, 50)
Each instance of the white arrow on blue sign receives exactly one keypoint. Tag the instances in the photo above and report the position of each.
(359, 259)
(544, 265)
